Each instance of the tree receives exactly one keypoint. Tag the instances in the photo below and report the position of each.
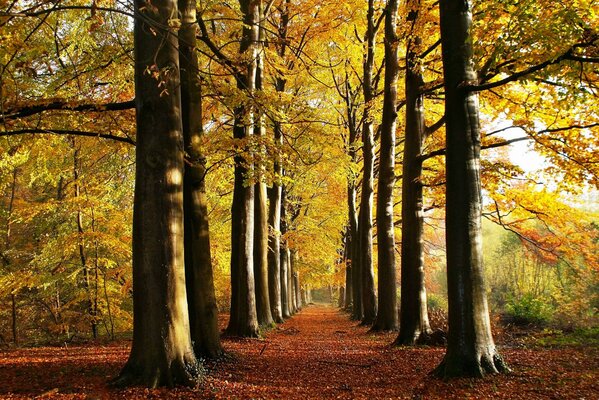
(243, 318)
(161, 353)
(387, 316)
(199, 276)
(414, 324)
(364, 241)
(470, 347)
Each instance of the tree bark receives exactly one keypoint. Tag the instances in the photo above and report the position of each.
(161, 353)
(243, 318)
(275, 194)
(199, 276)
(365, 216)
(285, 260)
(260, 207)
(414, 323)
(290, 281)
(347, 298)
(387, 314)
(470, 347)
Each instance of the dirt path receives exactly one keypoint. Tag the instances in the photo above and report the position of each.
(318, 354)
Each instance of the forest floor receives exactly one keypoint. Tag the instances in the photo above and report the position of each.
(317, 354)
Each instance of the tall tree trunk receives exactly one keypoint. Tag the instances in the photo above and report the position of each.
(365, 222)
(161, 353)
(275, 194)
(260, 207)
(243, 318)
(285, 261)
(387, 315)
(470, 347)
(414, 324)
(199, 276)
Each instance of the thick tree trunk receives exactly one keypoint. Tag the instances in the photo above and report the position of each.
(260, 208)
(199, 276)
(365, 220)
(243, 319)
(470, 347)
(414, 324)
(161, 353)
(387, 315)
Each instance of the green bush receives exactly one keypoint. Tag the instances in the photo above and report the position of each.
(528, 310)
(436, 302)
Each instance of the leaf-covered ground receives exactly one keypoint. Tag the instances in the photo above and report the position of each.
(317, 354)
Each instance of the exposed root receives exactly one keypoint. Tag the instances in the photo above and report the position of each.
(456, 367)
(179, 373)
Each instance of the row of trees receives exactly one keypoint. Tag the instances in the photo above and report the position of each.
(470, 348)
(285, 78)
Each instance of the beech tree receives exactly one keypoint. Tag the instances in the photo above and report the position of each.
(387, 318)
(364, 240)
(414, 323)
(243, 318)
(161, 352)
(199, 276)
(470, 347)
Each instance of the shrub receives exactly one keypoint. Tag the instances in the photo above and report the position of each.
(528, 310)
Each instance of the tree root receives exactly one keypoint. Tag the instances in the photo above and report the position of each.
(455, 366)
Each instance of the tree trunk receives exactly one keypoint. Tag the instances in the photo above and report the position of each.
(81, 245)
(470, 347)
(296, 282)
(199, 276)
(15, 336)
(365, 222)
(387, 315)
(347, 298)
(260, 208)
(243, 319)
(285, 260)
(161, 353)
(290, 281)
(414, 324)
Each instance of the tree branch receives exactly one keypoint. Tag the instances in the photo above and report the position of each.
(69, 132)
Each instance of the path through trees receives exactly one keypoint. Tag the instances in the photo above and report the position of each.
(319, 353)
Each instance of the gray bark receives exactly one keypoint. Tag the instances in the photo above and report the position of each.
(161, 353)
(199, 276)
(414, 323)
(369, 305)
(387, 313)
(470, 347)
(243, 320)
